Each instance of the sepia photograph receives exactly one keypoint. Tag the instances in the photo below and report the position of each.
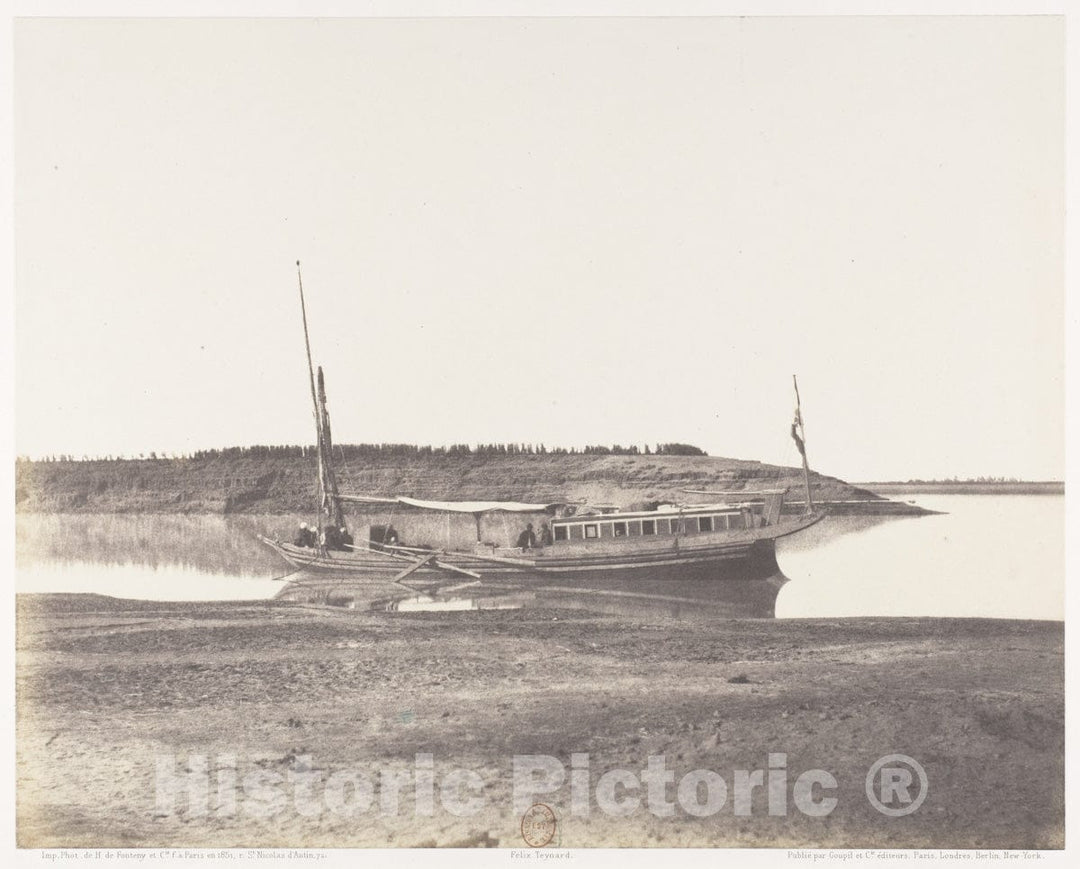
(540, 429)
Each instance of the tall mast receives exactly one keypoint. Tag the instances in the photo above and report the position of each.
(331, 504)
(314, 401)
(798, 432)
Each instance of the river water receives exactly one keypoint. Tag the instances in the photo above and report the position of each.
(996, 556)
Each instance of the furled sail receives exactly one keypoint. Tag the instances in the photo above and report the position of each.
(476, 506)
(455, 506)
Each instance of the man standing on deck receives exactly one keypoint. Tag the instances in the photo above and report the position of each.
(527, 539)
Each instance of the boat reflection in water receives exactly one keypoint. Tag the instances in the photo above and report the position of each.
(731, 595)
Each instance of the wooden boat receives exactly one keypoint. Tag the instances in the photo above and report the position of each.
(676, 542)
(581, 544)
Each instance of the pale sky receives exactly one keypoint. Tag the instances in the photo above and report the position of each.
(566, 231)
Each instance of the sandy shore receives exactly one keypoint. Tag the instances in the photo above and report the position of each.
(294, 707)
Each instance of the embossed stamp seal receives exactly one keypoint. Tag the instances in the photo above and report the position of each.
(538, 825)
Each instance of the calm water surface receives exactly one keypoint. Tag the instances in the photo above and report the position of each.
(999, 556)
(994, 556)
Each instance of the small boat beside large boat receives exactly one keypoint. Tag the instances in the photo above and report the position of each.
(732, 537)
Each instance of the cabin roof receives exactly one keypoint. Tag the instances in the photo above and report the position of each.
(475, 507)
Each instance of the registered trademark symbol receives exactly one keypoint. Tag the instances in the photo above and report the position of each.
(890, 782)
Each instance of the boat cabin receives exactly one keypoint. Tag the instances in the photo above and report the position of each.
(659, 523)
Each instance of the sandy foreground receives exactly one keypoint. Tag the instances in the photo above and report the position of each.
(294, 721)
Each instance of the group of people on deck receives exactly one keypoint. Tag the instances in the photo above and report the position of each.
(332, 538)
(528, 538)
(340, 538)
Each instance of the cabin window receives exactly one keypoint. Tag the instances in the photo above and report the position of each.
(575, 532)
(634, 529)
(591, 532)
(648, 527)
(735, 520)
(704, 523)
(676, 526)
(619, 529)
(560, 532)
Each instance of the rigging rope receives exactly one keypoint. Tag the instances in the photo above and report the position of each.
(345, 464)
(389, 522)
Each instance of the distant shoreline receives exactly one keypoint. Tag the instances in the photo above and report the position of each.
(1019, 487)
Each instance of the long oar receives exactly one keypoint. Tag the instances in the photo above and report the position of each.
(439, 564)
(442, 565)
(416, 565)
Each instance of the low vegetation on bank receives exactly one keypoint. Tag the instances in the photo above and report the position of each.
(282, 479)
